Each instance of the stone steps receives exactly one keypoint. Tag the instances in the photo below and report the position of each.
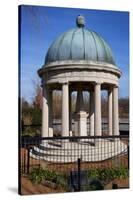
(88, 151)
(69, 151)
(50, 145)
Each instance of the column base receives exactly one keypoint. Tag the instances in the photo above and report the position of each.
(70, 133)
(50, 132)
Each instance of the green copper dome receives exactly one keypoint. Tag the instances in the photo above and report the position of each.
(79, 44)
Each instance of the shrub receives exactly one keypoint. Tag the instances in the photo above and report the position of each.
(95, 185)
(37, 175)
(106, 174)
(97, 177)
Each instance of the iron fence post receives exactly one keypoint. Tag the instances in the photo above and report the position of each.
(28, 159)
(24, 158)
(79, 177)
(128, 154)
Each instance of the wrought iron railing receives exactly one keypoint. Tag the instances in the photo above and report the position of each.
(62, 153)
(75, 157)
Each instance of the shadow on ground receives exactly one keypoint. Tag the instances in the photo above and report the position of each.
(13, 190)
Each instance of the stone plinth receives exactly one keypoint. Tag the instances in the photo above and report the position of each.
(81, 120)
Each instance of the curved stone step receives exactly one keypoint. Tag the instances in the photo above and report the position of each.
(48, 147)
(88, 153)
(54, 159)
(70, 159)
(71, 152)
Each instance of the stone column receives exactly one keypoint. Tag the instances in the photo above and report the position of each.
(70, 113)
(92, 109)
(65, 109)
(115, 111)
(45, 112)
(50, 99)
(97, 125)
(110, 111)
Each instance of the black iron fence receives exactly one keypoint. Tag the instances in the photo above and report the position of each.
(75, 157)
(62, 153)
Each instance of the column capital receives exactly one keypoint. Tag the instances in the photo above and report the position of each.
(98, 83)
(115, 86)
(65, 83)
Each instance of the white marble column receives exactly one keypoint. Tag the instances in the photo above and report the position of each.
(70, 113)
(45, 113)
(110, 113)
(65, 109)
(50, 99)
(91, 116)
(115, 111)
(97, 125)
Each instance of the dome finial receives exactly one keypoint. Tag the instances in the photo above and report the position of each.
(80, 21)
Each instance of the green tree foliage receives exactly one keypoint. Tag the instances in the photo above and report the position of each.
(30, 113)
(124, 107)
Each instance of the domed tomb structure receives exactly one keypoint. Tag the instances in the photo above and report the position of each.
(80, 60)
(79, 44)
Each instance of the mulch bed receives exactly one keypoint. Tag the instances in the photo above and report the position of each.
(121, 183)
(28, 188)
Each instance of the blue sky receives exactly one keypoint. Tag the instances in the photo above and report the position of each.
(41, 25)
